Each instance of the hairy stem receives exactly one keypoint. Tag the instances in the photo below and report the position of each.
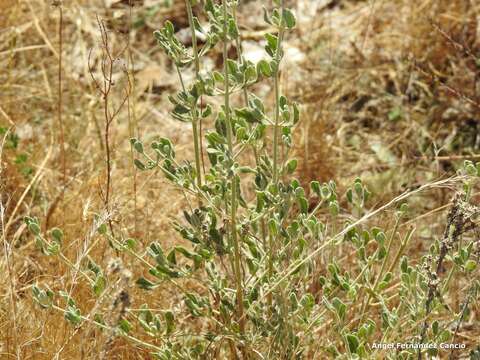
(276, 87)
(233, 205)
(195, 120)
(238, 44)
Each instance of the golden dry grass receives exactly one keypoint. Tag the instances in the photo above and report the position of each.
(29, 101)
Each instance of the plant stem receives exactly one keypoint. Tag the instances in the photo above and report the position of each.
(382, 269)
(233, 205)
(400, 251)
(59, 110)
(196, 138)
(195, 132)
(107, 72)
(238, 44)
(132, 123)
(389, 248)
(449, 278)
(108, 152)
(194, 36)
(276, 81)
(270, 264)
(106, 327)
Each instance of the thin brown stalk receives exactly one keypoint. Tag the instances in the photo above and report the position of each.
(105, 86)
(60, 111)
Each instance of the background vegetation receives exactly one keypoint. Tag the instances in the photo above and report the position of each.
(389, 106)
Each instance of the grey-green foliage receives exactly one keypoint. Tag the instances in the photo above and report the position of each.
(276, 227)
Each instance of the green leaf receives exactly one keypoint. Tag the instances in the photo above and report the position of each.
(171, 257)
(52, 249)
(350, 196)
(292, 166)
(250, 74)
(130, 244)
(246, 170)
(289, 18)
(232, 66)
(232, 29)
(145, 284)
(358, 187)
(99, 285)
(263, 67)
(326, 193)
(218, 77)
(380, 237)
(138, 147)
(308, 302)
(170, 320)
(125, 326)
(470, 168)
(184, 252)
(140, 165)
(73, 315)
(165, 270)
(334, 208)
(303, 203)
(169, 27)
(193, 304)
(93, 267)
(404, 264)
(470, 265)
(282, 101)
(315, 186)
(181, 109)
(57, 235)
(34, 228)
(207, 112)
(340, 308)
(382, 252)
(44, 298)
(102, 229)
(395, 114)
(296, 113)
(272, 42)
(273, 226)
(215, 138)
(353, 343)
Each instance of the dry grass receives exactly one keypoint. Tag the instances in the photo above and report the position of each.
(390, 93)
(394, 88)
(29, 101)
